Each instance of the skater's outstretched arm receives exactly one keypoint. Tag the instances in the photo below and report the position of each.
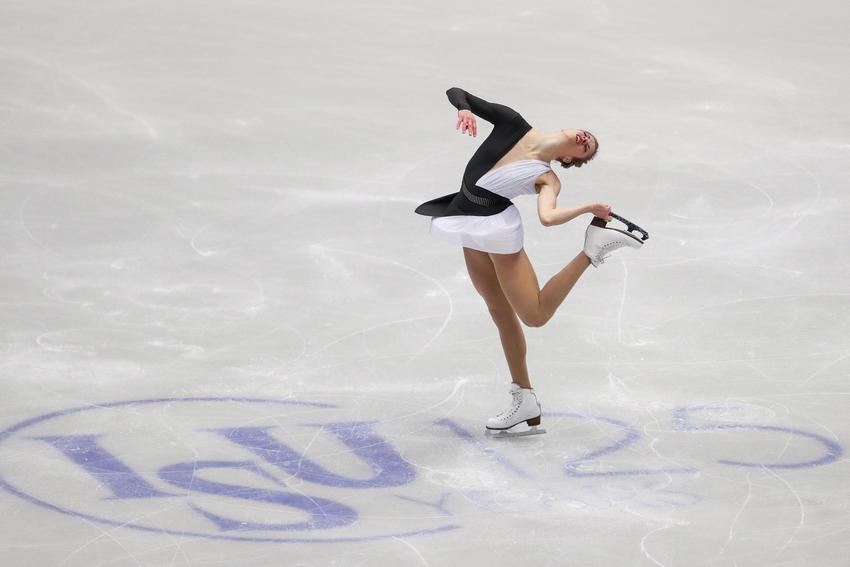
(490, 111)
(548, 211)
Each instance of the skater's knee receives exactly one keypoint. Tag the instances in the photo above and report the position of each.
(535, 319)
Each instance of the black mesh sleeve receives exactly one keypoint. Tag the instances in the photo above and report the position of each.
(490, 111)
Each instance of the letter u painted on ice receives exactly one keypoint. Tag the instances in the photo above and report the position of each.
(389, 467)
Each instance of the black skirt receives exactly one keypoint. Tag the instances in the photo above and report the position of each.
(477, 202)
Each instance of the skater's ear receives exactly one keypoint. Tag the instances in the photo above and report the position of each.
(576, 162)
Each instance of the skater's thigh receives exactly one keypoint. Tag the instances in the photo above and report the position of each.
(517, 280)
(484, 278)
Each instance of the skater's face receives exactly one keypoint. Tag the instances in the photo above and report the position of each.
(577, 146)
(581, 144)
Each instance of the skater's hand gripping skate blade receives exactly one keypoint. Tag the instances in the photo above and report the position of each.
(601, 211)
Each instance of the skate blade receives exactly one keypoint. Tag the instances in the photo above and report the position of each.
(505, 433)
(630, 227)
(635, 241)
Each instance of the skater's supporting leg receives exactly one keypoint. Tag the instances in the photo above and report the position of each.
(513, 343)
(518, 281)
(483, 276)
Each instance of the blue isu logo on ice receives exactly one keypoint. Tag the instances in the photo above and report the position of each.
(229, 468)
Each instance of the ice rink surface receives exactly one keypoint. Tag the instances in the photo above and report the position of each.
(227, 339)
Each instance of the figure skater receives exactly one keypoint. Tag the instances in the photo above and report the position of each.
(512, 161)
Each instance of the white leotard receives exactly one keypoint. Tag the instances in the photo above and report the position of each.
(501, 233)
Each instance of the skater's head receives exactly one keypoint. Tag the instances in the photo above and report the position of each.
(578, 147)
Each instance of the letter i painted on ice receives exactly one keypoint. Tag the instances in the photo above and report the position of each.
(115, 475)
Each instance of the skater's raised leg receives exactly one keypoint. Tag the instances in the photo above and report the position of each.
(533, 305)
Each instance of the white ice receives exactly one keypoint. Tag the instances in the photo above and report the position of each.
(215, 200)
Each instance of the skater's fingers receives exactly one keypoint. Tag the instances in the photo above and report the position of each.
(602, 211)
(461, 121)
(467, 120)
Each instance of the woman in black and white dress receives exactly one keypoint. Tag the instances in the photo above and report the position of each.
(512, 161)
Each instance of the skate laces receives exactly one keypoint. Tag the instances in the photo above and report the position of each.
(618, 243)
(607, 248)
(515, 405)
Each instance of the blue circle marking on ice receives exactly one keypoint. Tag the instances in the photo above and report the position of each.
(86, 452)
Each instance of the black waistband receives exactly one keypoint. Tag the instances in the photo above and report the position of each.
(477, 199)
(487, 200)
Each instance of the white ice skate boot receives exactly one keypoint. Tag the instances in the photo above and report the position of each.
(600, 240)
(524, 407)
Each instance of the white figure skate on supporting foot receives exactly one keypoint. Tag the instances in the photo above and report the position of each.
(524, 408)
(600, 240)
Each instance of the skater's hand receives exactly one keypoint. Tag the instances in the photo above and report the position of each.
(600, 210)
(466, 119)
